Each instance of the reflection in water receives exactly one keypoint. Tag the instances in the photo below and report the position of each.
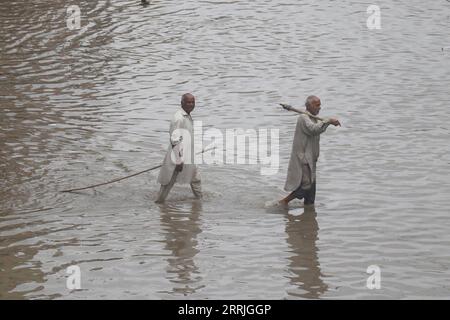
(302, 233)
(13, 272)
(49, 96)
(181, 228)
(21, 271)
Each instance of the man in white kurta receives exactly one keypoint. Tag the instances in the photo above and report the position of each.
(301, 176)
(178, 165)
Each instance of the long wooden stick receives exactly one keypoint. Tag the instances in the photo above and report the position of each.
(123, 178)
(291, 108)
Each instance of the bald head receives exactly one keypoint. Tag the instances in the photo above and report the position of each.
(312, 104)
(186, 96)
(188, 102)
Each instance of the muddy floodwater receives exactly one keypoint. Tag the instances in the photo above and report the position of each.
(82, 106)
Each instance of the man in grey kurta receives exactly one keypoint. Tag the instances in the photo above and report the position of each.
(301, 176)
(178, 165)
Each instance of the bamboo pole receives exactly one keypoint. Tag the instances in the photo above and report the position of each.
(291, 108)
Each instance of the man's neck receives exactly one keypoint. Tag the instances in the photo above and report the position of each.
(188, 113)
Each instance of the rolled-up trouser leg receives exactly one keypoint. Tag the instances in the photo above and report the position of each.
(310, 195)
(196, 186)
(163, 193)
(165, 189)
(299, 193)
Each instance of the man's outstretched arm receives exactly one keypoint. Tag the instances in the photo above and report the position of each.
(316, 128)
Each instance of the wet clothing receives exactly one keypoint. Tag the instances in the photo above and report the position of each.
(196, 187)
(301, 176)
(180, 150)
(305, 152)
(308, 195)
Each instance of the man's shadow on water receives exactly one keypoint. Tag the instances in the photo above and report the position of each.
(302, 234)
(181, 227)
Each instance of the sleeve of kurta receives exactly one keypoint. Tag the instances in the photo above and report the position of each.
(313, 128)
(175, 135)
(176, 138)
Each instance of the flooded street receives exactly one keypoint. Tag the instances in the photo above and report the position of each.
(79, 107)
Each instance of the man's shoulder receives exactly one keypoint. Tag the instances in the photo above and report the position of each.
(306, 118)
(302, 118)
(178, 115)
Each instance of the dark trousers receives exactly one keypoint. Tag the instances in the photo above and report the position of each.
(308, 195)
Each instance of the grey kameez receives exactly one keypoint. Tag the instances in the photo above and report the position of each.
(305, 150)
